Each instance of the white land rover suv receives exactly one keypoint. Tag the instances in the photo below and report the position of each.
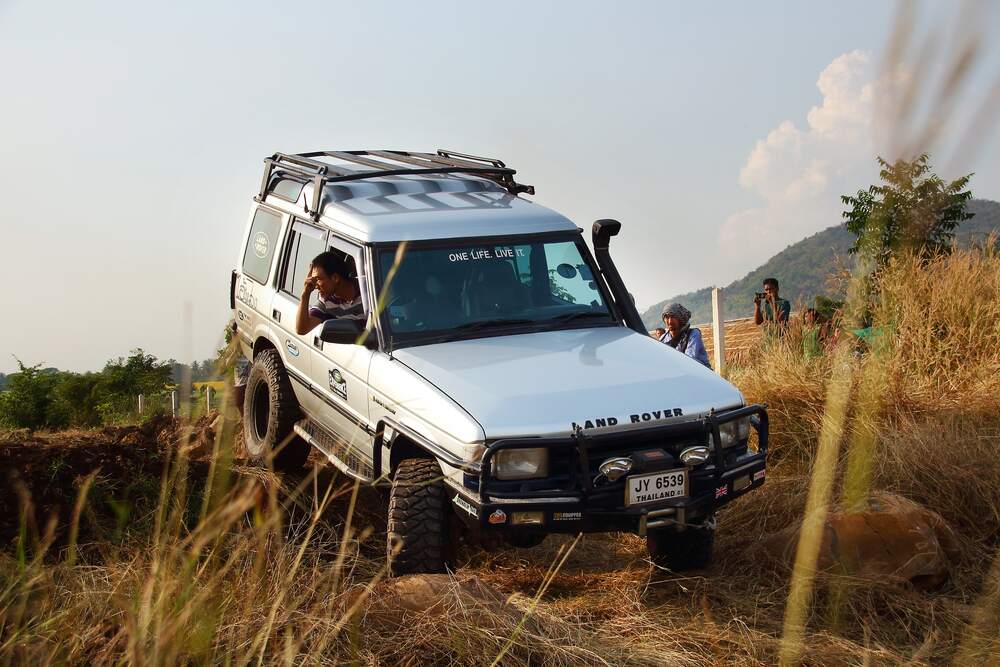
(504, 381)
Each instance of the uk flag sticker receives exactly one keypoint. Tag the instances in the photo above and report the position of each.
(721, 491)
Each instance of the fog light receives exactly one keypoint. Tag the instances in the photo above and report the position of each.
(614, 468)
(527, 518)
(695, 456)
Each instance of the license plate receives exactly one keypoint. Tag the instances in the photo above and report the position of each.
(643, 489)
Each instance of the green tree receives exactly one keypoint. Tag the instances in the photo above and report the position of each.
(122, 380)
(27, 402)
(75, 399)
(912, 210)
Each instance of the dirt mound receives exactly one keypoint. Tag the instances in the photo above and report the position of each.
(43, 473)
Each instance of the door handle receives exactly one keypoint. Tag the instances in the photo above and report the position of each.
(317, 343)
(276, 314)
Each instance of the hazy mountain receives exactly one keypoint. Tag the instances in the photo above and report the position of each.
(802, 269)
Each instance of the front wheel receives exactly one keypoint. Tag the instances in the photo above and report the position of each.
(418, 519)
(688, 549)
(270, 410)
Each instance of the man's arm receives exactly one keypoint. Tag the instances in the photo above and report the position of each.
(696, 348)
(758, 317)
(304, 322)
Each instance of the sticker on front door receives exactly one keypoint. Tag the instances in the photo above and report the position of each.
(338, 384)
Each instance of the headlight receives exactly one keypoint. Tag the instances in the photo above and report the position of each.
(521, 463)
(735, 431)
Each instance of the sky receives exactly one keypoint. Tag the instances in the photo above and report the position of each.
(133, 134)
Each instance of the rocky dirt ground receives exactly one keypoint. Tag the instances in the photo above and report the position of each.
(900, 603)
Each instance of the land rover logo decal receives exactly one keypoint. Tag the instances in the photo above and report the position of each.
(337, 383)
(260, 245)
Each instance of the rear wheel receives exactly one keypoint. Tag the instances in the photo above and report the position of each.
(270, 410)
(688, 549)
(418, 526)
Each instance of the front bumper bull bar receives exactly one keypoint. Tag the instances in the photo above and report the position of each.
(577, 505)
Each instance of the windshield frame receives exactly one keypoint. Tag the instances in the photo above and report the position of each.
(396, 341)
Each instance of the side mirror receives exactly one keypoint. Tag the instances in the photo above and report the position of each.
(341, 331)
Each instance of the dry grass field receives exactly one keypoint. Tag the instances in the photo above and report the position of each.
(152, 545)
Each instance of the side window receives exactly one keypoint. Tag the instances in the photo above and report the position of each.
(352, 255)
(570, 280)
(260, 246)
(304, 243)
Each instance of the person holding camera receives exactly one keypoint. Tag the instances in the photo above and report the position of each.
(770, 309)
(680, 336)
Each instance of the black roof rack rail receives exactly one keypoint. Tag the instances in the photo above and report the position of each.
(384, 163)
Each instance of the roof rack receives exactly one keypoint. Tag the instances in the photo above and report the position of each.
(388, 163)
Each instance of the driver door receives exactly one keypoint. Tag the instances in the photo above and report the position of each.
(340, 376)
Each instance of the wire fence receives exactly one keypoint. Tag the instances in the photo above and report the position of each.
(200, 401)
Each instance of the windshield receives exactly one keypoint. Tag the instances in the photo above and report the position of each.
(462, 289)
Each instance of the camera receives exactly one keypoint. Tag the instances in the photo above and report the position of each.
(760, 296)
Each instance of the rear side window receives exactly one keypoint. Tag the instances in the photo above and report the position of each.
(260, 246)
(304, 243)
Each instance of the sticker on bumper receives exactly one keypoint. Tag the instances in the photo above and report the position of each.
(466, 505)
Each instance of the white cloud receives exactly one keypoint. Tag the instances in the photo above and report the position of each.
(799, 174)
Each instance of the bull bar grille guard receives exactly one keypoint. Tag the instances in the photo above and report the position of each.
(578, 443)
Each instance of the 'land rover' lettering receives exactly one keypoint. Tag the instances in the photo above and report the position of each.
(603, 422)
(656, 415)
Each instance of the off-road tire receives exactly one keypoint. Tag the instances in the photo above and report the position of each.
(270, 410)
(418, 523)
(688, 549)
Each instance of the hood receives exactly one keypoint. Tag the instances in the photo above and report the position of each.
(542, 383)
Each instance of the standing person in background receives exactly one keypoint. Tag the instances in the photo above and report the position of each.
(770, 309)
(681, 336)
(812, 334)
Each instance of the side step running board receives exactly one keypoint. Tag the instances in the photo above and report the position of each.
(348, 458)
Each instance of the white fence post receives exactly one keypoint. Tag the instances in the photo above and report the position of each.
(718, 331)
(173, 404)
(140, 404)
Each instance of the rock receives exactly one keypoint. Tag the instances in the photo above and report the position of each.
(893, 539)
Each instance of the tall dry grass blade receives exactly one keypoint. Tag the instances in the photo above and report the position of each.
(74, 525)
(546, 582)
(981, 643)
(817, 503)
(279, 600)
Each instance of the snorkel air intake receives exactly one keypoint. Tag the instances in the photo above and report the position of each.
(603, 230)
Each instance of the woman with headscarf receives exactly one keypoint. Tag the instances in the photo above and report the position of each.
(680, 335)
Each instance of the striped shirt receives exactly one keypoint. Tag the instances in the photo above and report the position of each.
(337, 308)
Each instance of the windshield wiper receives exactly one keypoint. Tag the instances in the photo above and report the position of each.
(579, 314)
(482, 324)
